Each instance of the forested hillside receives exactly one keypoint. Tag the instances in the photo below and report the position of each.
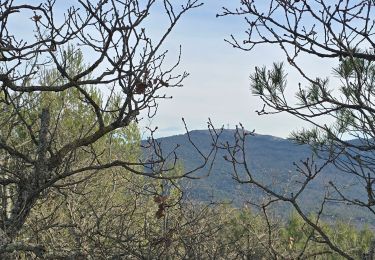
(272, 160)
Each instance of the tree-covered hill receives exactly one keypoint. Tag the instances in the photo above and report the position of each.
(272, 160)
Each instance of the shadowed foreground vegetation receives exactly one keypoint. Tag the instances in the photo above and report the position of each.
(115, 215)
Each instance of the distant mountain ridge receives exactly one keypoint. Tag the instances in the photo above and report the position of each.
(271, 161)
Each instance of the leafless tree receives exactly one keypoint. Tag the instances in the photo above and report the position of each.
(341, 30)
(54, 115)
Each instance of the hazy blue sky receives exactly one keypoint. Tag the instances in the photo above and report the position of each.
(218, 85)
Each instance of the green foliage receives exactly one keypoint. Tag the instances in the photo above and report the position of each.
(299, 238)
(271, 82)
